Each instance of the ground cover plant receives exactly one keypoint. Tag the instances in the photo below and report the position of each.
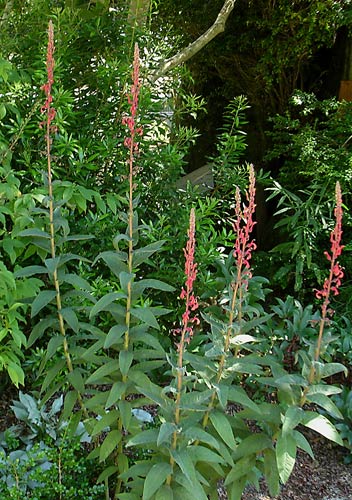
(153, 396)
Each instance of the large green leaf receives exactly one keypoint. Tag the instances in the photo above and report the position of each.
(140, 255)
(104, 303)
(37, 233)
(302, 443)
(76, 380)
(139, 286)
(103, 371)
(199, 434)
(241, 468)
(183, 458)
(42, 299)
(115, 393)
(253, 444)
(330, 369)
(149, 436)
(271, 472)
(115, 260)
(114, 335)
(125, 361)
(165, 432)
(223, 428)
(285, 455)
(292, 418)
(30, 271)
(239, 395)
(105, 422)
(164, 493)
(323, 389)
(323, 426)
(146, 315)
(326, 403)
(203, 454)
(109, 444)
(155, 478)
(70, 318)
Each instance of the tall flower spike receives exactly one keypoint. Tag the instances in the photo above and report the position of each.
(187, 292)
(47, 87)
(130, 121)
(333, 282)
(243, 226)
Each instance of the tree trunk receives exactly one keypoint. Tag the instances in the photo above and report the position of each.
(138, 12)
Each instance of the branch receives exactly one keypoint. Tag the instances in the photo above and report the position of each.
(197, 45)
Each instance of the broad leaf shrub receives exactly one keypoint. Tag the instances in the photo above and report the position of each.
(108, 350)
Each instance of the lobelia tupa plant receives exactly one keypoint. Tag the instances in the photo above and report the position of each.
(201, 432)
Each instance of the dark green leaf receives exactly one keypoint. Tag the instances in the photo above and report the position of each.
(285, 456)
(103, 371)
(142, 254)
(30, 271)
(70, 318)
(115, 393)
(115, 260)
(76, 380)
(155, 478)
(104, 303)
(165, 432)
(114, 335)
(146, 315)
(125, 361)
(109, 444)
(223, 428)
(42, 299)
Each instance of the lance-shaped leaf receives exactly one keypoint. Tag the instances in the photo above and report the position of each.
(146, 315)
(223, 428)
(155, 478)
(285, 456)
(116, 261)
(323, 426)
(142, 254)
(104, 303)
(109, 444)
(42, 299)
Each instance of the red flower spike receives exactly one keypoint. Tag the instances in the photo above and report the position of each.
(333, 282)
(243, 226)
(47, 87)
(130, 121)
(187, 293)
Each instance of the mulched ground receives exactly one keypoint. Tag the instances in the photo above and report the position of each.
(325, 478)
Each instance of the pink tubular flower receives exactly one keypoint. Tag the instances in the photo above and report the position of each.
(333, 282)
(130, 121)
(187, 293)
(243, 226)
(50, 64)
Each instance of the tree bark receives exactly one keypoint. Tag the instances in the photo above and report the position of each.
(197, 45)
(138, 12)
